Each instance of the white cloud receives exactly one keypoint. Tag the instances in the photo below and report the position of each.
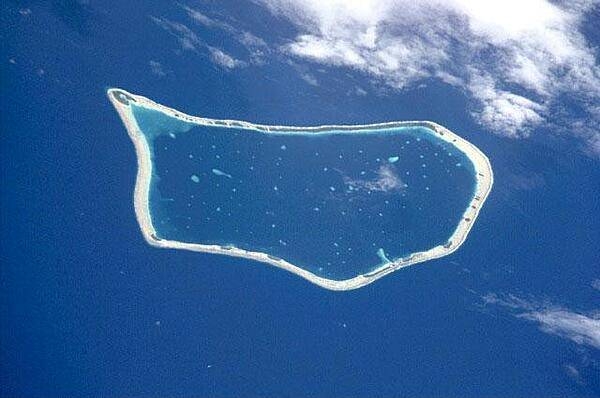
(310, 79)
(360, 91)
(250, 40)
(506, 113)
(517, 60)
(581, 328)
(201, 18)
(223, 59)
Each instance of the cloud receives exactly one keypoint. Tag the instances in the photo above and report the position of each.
(250, 40)
(256, 46)
(310, 79)
(524, 181)
(360, 91)
(573, 373)
(577, 327)
(501, 110)
(157, 68)
(223, 59)
(518, 61)
(583, 329)
(203, 19)
(190, 41)
(187, 38)
(387, 180)
(244, 37)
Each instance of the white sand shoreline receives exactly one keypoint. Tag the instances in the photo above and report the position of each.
(480, 162)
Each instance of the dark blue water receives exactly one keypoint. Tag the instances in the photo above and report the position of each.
(87, 308)
(334, 203)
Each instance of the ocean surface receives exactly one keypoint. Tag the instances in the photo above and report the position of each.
(336, 203)
(88, 308)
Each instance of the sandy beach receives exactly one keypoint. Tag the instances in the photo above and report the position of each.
(484, 181)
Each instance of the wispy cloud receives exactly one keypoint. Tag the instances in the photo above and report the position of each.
(157, 69)
(310, 79)
(187, 38)
(360, 91)
(517, 60)
(190, 41)
(578, 327)
(255, 45)
(223, 59)
(203, 19)
(386, 180)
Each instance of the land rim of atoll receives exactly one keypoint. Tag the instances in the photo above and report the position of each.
(121, 100)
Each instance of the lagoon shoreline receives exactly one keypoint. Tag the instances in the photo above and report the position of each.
(121, 100)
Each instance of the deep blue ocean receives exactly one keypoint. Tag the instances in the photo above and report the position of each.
(88, 308)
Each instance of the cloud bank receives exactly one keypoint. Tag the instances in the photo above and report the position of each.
(518, 61)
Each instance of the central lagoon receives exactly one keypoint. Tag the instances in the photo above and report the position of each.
(336, 202)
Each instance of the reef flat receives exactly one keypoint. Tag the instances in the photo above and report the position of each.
(341, 206)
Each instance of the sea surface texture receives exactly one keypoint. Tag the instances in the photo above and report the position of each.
(337, 203)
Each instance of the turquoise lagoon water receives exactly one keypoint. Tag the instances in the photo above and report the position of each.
(337, 203)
